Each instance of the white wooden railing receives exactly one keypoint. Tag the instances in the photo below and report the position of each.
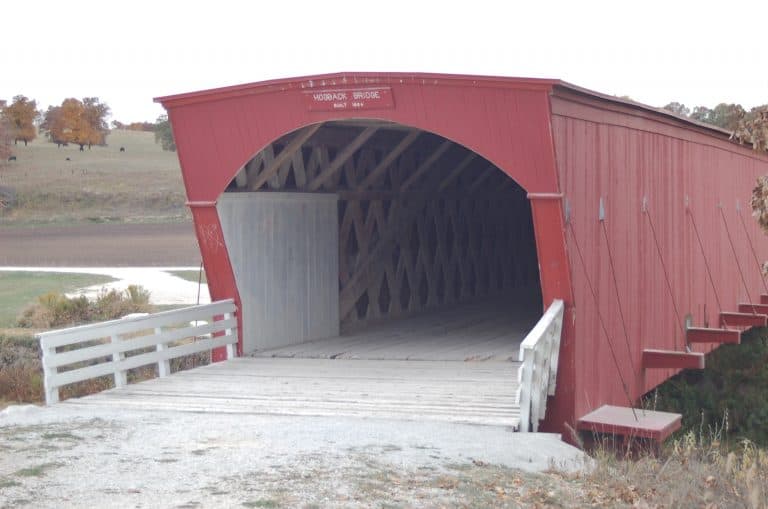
(539, 352)
(112, 348)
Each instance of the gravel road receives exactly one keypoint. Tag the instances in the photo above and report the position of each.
(63, 457)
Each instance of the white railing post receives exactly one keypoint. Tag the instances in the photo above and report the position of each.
(557, 331)
(121, 378)
(51, 391)
(539, 353)
(231, 350)
(163, 365)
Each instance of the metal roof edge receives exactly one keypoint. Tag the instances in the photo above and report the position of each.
(350, 79)
(640, 106)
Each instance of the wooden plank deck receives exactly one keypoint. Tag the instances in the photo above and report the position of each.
(462, 392)
(453, 365)
(478, 332)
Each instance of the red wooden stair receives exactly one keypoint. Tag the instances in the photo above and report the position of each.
(662, 359)
(743, 320)
(628, 423)
(704, 335)
(752, 309)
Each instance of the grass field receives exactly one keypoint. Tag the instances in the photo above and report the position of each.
(19, 289)
(189, 275)
(142, 184)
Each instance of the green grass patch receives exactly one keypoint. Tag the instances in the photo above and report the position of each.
(20, 289)
(37, 471)
(8, 483)
(262, 502)
(61, 436)
(189, 275)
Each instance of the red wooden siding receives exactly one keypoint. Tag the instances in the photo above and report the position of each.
(623, 156)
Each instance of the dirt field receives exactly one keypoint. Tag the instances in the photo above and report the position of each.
(100, 245)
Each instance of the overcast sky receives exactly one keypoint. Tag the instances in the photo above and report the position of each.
(126, 53)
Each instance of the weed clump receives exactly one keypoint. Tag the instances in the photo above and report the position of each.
(21, 377)
(694, 470)
(57, 310)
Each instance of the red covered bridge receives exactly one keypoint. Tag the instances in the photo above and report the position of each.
(433, 217)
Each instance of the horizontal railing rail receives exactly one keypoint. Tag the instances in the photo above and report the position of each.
(539, 353)
(114, 347)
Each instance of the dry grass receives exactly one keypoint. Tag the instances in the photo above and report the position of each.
(688, 473)
(102, 184)
(57, 310)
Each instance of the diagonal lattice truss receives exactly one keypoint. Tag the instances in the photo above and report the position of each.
(423, 222)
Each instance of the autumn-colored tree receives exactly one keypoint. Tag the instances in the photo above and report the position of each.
(53, 125)
(80, 122)
(20, 116)
(95, 114)
(753, 128)
(164, 133)
(755, 131)
(75, 125)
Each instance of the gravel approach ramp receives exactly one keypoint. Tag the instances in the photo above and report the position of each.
(93, 455)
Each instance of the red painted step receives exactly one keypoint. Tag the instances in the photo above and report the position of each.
(702, 335)
(624, 421)
(760, 309)
(653, 359)
(742, 320)
(764, 299)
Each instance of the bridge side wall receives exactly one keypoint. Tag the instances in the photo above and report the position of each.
(625, 156)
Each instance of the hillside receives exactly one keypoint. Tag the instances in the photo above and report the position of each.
(61, 185)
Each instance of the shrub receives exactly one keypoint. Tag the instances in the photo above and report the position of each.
(734, 384)
(20, 369)
(57, 310)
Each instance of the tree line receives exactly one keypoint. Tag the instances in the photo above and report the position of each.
(81, 122)
(745, 126)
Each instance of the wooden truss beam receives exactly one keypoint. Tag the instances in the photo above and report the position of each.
(388, 194)
(366, 269)
(272, 168)
(457, 171)
(389, 159)
(252, 167)
(241, 179)
(481, 178)
(341, 158)
(426, 164)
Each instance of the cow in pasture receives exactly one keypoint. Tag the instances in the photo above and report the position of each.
(68, 159)
(122, 149)
(12, 158)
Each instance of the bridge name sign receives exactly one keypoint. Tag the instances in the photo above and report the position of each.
(343, 99)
